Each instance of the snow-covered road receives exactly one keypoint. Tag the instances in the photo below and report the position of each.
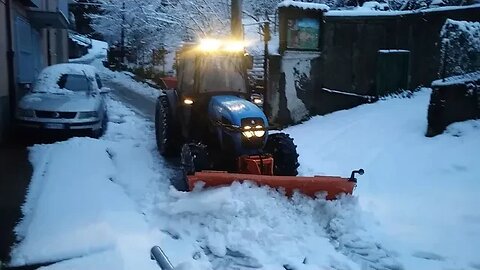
(101, 204)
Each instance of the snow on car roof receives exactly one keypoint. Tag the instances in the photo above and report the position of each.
(47, 80)
(303, 5)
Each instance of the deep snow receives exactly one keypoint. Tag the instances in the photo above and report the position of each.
(424, 192)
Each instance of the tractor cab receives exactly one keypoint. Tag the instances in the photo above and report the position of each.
(207, 69)
(213, 67)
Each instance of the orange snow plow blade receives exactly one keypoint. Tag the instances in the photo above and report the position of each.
(310, 186)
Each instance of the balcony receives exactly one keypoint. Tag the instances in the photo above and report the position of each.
(31, 3)
(48, 19)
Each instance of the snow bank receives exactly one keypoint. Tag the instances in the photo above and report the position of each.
(423, 191)
(97, 54)
(75, 209)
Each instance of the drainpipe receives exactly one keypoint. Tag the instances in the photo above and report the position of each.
(12, 94)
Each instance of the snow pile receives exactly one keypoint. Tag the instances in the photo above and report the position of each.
(75, 209)
(243, 225)
(98, 50)
(125, 79)
(423, 191)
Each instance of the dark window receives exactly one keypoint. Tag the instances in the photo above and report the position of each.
(76, 83)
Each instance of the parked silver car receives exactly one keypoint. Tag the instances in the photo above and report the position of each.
(65, 97)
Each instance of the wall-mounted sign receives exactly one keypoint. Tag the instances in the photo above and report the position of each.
(303, 33)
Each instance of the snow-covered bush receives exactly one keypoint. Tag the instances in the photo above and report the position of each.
(460, 48)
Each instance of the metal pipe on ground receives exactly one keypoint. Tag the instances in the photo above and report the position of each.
(159, 256)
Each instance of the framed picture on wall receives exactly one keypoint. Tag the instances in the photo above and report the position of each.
(303, 33)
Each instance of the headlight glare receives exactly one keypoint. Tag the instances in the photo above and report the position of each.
(257, 99)
(259, 133)
(249, 131)
(248, 134)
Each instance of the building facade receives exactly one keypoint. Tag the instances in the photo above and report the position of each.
(33, 34)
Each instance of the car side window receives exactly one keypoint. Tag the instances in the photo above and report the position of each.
(99, 81)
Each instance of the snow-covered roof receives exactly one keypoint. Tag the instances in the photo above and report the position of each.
(303, 5)
(362, 11)
(47, 80)
(460, 79)
(79, 39)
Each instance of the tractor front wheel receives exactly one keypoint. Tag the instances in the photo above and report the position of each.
(284, 153)
(194, 158)
(167, 143)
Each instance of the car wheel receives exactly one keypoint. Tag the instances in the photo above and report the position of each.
(99, 132)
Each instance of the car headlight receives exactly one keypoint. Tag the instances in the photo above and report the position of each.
(83, 115)
(256, 131)
(25, 113)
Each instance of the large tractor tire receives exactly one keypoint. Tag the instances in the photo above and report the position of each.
(194, 158)
(284, 153)
(165, 128)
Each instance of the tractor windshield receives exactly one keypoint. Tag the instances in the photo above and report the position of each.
(221, 73)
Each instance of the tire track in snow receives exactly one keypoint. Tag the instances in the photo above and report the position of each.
(342, 224)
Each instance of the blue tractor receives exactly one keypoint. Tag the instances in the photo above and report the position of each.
(217, 125)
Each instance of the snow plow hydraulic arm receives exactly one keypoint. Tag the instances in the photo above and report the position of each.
(352, 176)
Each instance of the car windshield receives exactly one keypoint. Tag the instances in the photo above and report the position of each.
(221, 74)
(74, 82)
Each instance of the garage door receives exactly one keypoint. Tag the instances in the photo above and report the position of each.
(27, 51)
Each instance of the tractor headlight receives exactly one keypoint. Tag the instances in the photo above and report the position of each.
(188, 101)
(250, 132)
(259, 133)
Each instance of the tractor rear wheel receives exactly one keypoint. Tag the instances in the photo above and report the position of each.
(167, 143)
(194, 158)
(284, 153)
